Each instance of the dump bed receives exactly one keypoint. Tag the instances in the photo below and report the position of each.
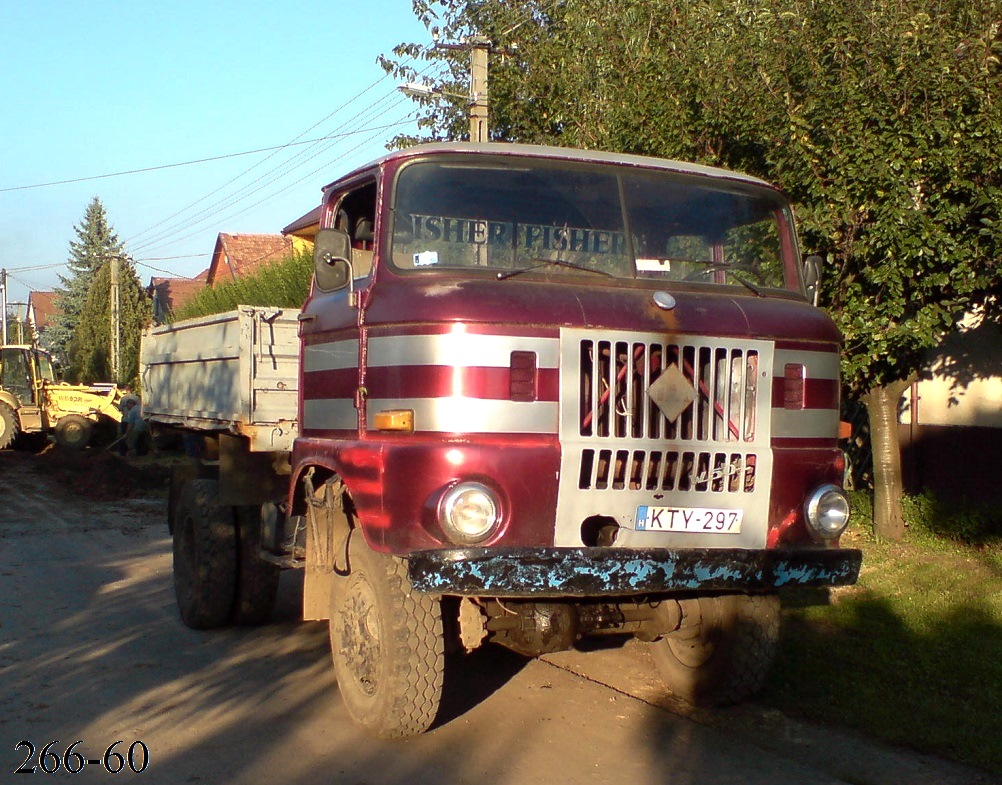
(236, 372)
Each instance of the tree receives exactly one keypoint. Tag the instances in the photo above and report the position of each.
(90, 347)
(96, 243)
(882, 120)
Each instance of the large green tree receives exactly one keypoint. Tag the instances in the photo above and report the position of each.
(90, 347)
(882, 119)
(96, 243)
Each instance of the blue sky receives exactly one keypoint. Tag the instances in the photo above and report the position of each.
(95, 88)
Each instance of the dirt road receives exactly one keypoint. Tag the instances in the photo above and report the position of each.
(92, 649)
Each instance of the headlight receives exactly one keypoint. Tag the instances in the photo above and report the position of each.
(469, 512)
(827, 512)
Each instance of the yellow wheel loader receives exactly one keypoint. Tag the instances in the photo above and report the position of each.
(33, 401)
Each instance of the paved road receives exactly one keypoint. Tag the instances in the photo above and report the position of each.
(91, 648)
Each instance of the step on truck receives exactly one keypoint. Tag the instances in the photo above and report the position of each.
(540, 394)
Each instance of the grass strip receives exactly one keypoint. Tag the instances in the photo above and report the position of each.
(912, 654)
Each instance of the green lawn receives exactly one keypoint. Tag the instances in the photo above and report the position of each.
(913, 653)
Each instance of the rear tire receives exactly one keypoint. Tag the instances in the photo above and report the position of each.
(205, 556)
(73, 431)
(727, 657)
(257, 580)
(9, 426)
(387, 644)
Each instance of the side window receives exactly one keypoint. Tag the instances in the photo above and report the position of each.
(16, 375)
(356, 215)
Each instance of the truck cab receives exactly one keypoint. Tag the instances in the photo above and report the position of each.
(559, 393)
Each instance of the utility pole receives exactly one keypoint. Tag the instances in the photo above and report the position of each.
(3, 305)
(115, 318)
(480, 46)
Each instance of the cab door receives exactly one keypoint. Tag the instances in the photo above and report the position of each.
(332, 386)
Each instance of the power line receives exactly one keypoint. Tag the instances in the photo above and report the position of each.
(209, 214)
(259, 163)
(345, 130)
(269, 177)
(190, 163)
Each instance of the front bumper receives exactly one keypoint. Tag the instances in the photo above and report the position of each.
(607, 572)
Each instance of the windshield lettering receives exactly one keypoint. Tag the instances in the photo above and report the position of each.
(553, 219)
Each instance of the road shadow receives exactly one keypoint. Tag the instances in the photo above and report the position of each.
(470, 679)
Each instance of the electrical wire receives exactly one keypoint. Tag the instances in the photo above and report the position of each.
(175, 165)
(281, 169)
(259, 163)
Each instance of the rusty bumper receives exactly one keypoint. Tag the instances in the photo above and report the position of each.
(596, 572)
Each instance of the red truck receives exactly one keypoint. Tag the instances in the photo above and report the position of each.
(542, 394)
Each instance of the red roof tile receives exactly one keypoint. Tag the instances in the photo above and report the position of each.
(236, 255)
(171, 294)
(44, 306)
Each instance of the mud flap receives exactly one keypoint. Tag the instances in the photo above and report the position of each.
(327, 528)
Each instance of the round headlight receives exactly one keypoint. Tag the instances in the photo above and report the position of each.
(827, 512)
(469, 512)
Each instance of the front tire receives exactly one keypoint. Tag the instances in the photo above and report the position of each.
(387, 644)
(727, 657)
(205, 556)
(9, 426)
(73, 431)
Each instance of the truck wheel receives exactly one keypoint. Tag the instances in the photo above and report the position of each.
(73, 431)
(387, 643)
(8, 426)
(727, 656)
(257, 580)
(205, 556)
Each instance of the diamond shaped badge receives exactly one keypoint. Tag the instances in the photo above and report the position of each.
(672, 392)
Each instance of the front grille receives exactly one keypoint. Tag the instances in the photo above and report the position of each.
(615, 376)
(669, 470)
(670, 420)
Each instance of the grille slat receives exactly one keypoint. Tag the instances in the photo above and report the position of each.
(616, 377)
(712, 394)
(681, 470)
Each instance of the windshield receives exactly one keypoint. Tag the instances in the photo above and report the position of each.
(45, 370)
(549, 218)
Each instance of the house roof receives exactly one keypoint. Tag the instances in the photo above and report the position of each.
(43, 306)
(236, 255)
(171, 294)
(306, 226)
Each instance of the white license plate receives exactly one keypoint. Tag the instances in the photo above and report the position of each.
(694, 520)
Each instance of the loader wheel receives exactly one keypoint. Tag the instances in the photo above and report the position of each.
(8, 426)
(727, 657)
(387, 644)
(205, 556)
(73, 431)
(257, 580)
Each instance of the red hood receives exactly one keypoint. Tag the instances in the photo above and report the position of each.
(532, 302)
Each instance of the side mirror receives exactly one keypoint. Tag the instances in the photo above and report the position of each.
(332, 260)
(812, 277)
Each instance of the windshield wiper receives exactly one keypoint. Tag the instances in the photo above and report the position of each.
(726, 268)
(541, 263)
(747, 284)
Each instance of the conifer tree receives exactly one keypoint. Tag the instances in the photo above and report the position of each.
(89, 348)
(96, 243)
